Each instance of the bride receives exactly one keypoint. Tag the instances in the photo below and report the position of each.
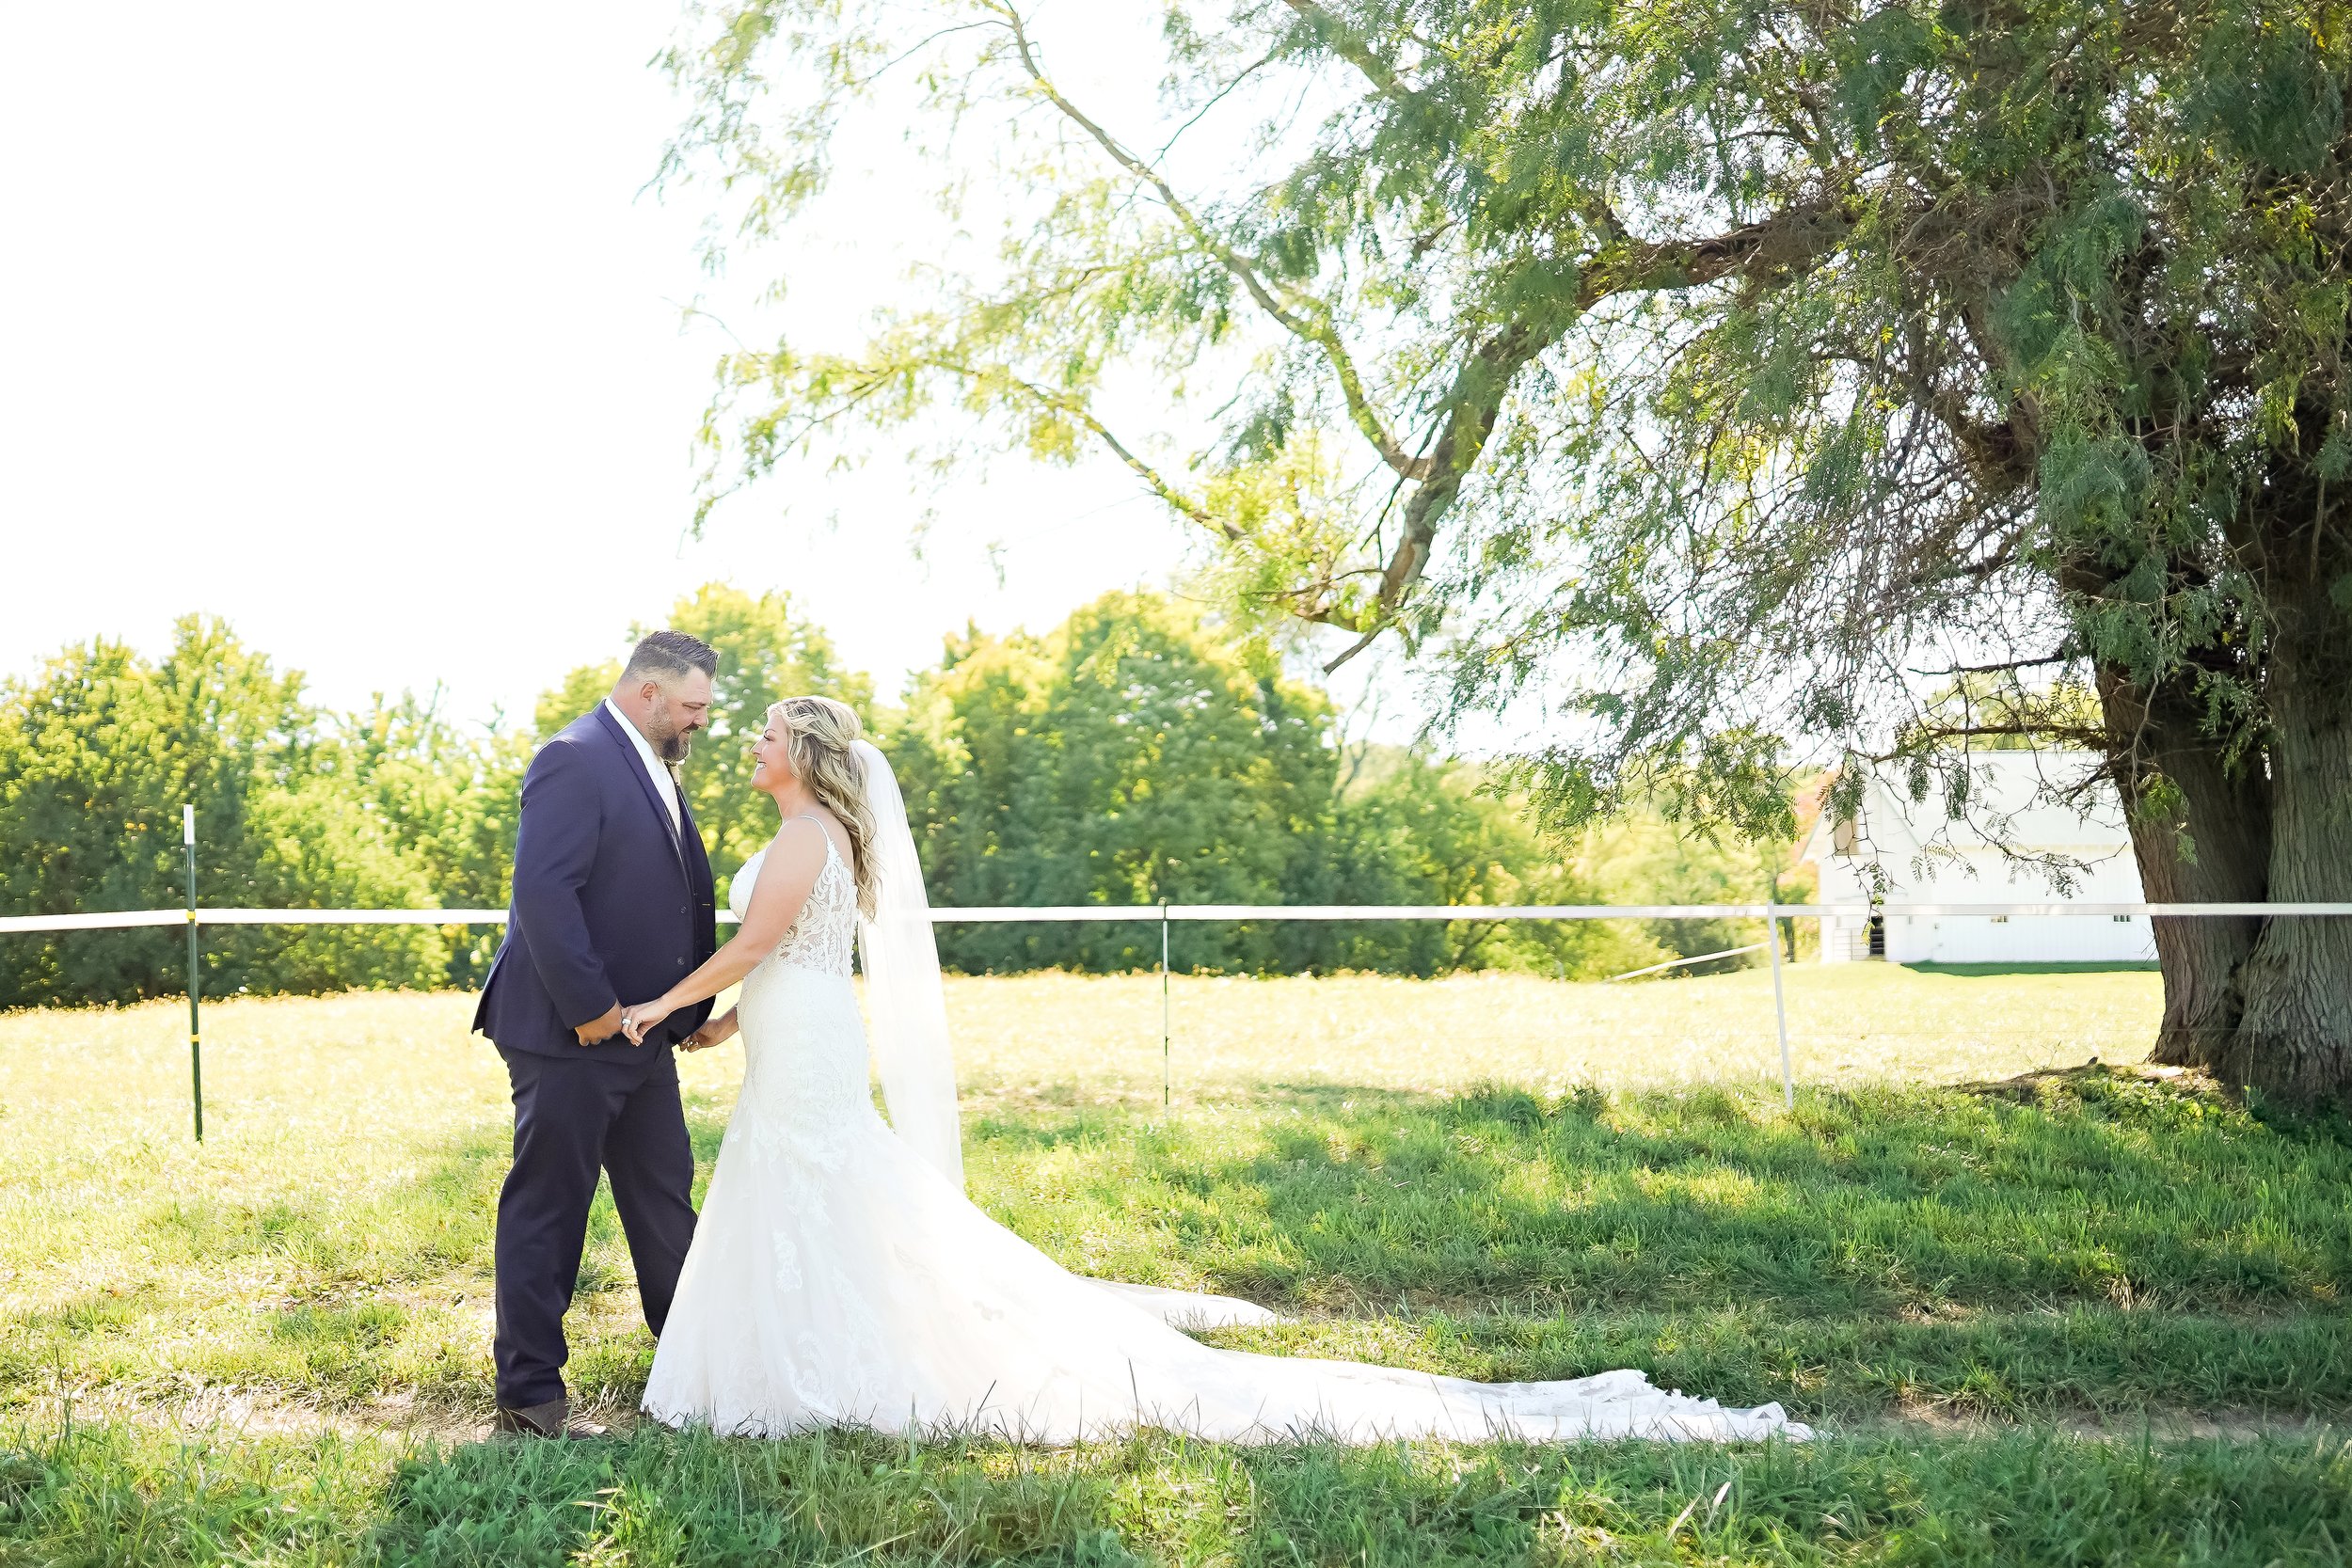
(839, 1276)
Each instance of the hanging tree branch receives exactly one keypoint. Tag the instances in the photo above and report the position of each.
(1349, 45)
(1309, 320)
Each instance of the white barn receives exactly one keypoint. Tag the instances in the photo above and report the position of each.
(1925, 858)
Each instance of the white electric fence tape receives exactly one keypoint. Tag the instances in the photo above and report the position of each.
(1005, 914)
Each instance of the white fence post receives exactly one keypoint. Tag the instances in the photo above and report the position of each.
(1780, 1006)
(196, 1018)
(1167, 1091)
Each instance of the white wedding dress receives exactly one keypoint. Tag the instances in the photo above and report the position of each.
(837, 1278)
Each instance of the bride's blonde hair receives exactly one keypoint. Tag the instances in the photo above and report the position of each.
(817, 735)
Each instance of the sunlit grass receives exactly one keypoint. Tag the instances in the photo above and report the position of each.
(129, 1498)
(1504, 1178)
(1099, 1038)
(1847, 1024)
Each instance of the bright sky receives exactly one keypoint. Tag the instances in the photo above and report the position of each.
(352, 324)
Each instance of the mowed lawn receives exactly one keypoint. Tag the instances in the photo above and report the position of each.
(2018, 1291)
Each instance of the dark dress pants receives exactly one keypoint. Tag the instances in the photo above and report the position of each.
(574, 1116)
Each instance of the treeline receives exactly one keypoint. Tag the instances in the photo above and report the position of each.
(296, 807)
(1132, 755)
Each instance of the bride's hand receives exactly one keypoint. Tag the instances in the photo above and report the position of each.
(646, 1015)
(716, 1031)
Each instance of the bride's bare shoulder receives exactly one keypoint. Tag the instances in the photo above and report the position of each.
(801, 839)
(830, 826)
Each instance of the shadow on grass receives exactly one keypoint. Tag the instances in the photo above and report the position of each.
(2076, 1187)
(130, 1498)
(831, 1497)
(2091, 1241)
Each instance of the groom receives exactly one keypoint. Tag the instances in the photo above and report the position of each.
(612, 898)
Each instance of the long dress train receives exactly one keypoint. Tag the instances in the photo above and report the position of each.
(836, 1278)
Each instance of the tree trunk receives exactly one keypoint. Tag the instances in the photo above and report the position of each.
(2294, 1037)
(2200, 833)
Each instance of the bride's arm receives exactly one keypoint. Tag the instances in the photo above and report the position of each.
(716, 1031)
(786, 877)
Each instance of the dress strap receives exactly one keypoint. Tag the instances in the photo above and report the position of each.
(810, 816)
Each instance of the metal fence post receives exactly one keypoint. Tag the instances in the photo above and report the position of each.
(1780, 1005)
(1166, 1076)
(196, 1021)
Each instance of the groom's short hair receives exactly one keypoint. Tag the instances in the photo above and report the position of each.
(667, 655)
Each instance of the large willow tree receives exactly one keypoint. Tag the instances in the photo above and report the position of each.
(1725, 378)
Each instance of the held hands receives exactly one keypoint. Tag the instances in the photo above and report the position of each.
(598, 1030)
(717, 1030)
(636, 1021)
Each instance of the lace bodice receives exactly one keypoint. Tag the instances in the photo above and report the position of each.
(806, 1082)
(825, 933)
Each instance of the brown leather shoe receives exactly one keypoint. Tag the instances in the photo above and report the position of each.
(552, 1420)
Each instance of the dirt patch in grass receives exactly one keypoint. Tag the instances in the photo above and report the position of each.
(2159, 1426)
(235, 1412)
(2026, 1088)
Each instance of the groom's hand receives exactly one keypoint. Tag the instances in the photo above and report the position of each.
(598, 1030)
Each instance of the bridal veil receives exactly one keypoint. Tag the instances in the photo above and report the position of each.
(906, 1009)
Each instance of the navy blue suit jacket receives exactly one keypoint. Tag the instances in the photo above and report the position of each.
(610, 905)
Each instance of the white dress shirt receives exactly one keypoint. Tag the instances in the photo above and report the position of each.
(663, 784)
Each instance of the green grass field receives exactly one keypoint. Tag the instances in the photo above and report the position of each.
(2046, 1311)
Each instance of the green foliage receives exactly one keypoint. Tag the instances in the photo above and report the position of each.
(1138, 752)
(1640, 858)
(2001, 713)
(1126, 758)
(446, 797)
(1411, 828)
(97, 753)
(1691, 375)
(582, 688)
(1136, 755)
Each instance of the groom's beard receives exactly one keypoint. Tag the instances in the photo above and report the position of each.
(673, 747)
